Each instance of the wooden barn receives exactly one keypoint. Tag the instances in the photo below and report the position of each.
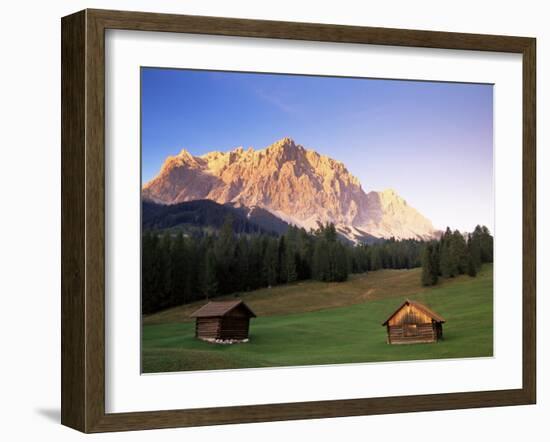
(223, 321)
(412, 323)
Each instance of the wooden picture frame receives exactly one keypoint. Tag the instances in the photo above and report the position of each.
(83, 220)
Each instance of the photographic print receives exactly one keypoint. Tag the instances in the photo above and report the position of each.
(299, 220)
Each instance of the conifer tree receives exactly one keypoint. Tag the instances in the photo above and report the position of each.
(305, 254)
(193, 262)
(321, 265)
(375, 258)
(224, 250)
(210, 282)
(179, 286)
(459, 253)
(166, 270)
(448, 266)
(255, 263)
(242, 254)
(151, 276)
(178, 269)
(427, 266)
(436, 258)
(340, 263)
(282, 270)
(486, 241)
(329, 232)
(271, 262)
(472, 271)
(474, 252)
(290, 263)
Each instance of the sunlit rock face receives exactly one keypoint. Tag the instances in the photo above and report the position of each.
(296, 184)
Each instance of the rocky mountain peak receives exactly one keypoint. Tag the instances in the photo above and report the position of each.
(298, 185)
(183, 158)
(285, 149)
(284, 143)
(390, 196)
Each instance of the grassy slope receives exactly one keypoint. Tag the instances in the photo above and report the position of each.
(336, 323)
(309, 296)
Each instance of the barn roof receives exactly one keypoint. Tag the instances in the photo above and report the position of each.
(419, 306)
(220, 308)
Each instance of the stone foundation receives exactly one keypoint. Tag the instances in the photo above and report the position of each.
(224, 341)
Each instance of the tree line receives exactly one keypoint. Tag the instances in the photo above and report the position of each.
(179, 269)
(456, 254)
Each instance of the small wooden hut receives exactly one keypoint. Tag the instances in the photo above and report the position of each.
(413, 323)
(223, 321)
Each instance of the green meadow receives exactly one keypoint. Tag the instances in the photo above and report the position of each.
(312, 323)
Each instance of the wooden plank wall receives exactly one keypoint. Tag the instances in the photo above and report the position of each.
(424, 333)
(234, 328)
(222, 328)
(207, 328)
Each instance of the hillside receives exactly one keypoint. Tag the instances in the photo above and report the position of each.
(326, 330)
(308, 296)
(206, 213)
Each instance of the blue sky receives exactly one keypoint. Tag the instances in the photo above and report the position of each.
(430, 141)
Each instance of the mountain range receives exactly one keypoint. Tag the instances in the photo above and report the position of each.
(206, 213)
(297, 185)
